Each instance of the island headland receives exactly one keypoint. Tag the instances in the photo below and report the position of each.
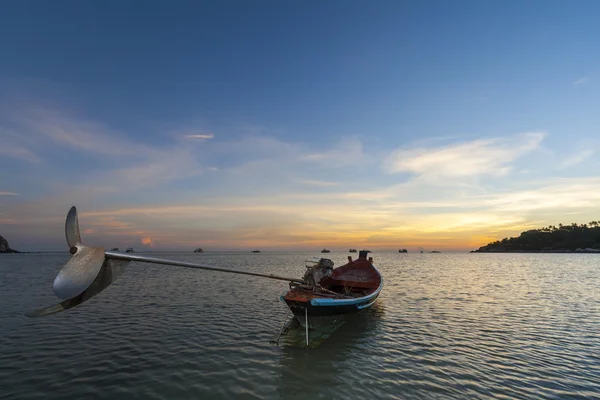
(5, 248)
(573, 238)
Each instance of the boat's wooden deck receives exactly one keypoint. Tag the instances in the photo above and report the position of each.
(357, 278)
(356, 274)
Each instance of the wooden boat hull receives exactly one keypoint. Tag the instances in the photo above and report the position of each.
(316, 306)
(299, 308)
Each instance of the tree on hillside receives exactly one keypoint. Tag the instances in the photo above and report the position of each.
(564, 238)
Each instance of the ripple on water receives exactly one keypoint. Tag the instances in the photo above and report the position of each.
(446, 326)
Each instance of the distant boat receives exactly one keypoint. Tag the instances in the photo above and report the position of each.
(129, 250)
(115, 249)
(352, 251)
(402, 251)
(199, 250)
(256, 251)
(435, 251)
(368, 251)
(325, 251)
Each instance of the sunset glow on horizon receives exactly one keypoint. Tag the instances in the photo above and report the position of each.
(387, 134)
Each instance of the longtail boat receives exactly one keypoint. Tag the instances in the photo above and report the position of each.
(327, 292)
(323, 291)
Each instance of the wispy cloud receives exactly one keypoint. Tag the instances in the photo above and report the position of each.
(8, 194)
(11, 147)
(304, 220)
(312, 182)
(42, 125)
(121, 162)
(562, 194)
(346, 152)
(330, 216)
(21, 153)
(576, 158)
(200, 136)
(582, 81)
(476, 158)
(169, 166)
(262, 190)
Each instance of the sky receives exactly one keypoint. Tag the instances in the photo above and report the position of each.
(297, 125)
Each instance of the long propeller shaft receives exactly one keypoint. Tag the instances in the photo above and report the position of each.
(90, 270)
(152, 260)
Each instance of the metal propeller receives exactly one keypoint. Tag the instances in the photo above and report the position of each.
(81, 270)
(86, 274)
(110, 271)
(91, 270)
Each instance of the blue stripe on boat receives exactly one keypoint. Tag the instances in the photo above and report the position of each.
(366, 305)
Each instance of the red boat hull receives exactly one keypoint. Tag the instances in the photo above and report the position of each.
(357, 284)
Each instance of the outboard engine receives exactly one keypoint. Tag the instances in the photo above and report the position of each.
(316, 270)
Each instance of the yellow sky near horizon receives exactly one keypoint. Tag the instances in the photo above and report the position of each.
(275, 194)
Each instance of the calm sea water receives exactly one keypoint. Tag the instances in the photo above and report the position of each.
(446, 326)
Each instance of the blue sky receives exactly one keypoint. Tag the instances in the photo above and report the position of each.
(297, 125)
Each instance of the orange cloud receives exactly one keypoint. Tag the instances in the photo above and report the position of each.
(146, 241)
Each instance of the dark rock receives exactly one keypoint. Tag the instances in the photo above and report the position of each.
(3, 244)
(4, 247)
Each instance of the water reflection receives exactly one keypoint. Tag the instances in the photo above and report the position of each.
(304, 372)
(294, 335)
